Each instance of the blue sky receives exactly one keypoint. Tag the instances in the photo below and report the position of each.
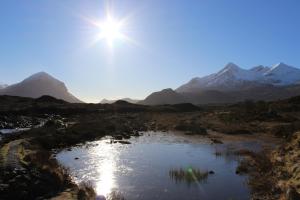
(176, 41)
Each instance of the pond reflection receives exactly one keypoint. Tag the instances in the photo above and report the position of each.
(105, 170)
(97, 164)
(155, 166)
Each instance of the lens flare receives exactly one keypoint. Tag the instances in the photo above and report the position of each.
(111, 30)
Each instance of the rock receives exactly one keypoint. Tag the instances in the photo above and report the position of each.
(37, 182)
(18, 177)
(279, 159)
(191, 128)
(12, 181)
(126, 136)
(136, 134)
(216, 141)
(22, 185)
(118, 137)
(24, 194)
(4, 187)
(211, 172)
(239, 132)
(100, 197)
(242, 168)
(292, 194)
(27, 177)
(124, 142)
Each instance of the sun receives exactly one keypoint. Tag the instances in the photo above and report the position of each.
(111, 30)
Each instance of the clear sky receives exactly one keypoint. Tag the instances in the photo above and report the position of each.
(174, 41)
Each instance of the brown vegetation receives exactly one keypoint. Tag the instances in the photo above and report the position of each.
(271, 173)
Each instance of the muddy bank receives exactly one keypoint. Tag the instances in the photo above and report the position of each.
(27, 163)
(30, 172)
(274, 174)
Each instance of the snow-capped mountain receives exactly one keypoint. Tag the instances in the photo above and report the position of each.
(2, 85)
(282, 74)
(260, 69)
(233, 84)
(38, 85)
(232, 77)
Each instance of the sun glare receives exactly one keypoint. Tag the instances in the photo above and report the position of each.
(111, 30)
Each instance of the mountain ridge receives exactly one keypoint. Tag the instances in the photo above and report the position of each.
(40, 84)
(129, 100)
(232, 77)
(233, 84)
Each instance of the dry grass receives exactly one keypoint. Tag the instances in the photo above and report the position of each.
(189, 175)
(86, 191)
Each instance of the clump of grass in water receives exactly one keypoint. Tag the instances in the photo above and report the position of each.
(189, 175)
(86, 191)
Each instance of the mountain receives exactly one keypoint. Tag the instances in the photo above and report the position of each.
(129, 100)
(233, 84)
(232, 77)
(260, 69)
(166, 96)
(2, 86)
(107, 101)
(38, 85)
(282, 74)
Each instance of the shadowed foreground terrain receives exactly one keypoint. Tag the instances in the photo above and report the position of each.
(29, 169)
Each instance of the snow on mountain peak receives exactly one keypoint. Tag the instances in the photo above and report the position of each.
(231, 66)
(282, 68)
(233, 72)
(282, 74)
(233, 77)
(281, 64)
(260, 69)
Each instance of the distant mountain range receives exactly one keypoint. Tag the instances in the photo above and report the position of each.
(230, 84)
(129, 100)
(38, 85)
(233, 84)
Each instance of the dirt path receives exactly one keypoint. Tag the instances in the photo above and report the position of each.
(10, 155)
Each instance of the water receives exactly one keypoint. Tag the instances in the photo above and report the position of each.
(17, 130)
(11, 131)
(141, 170)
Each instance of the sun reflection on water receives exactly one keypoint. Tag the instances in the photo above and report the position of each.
(140, 170)
(105, 167)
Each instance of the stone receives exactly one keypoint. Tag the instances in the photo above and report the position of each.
(4, 187)
(118, 137)
(216, 141)
(124, 142)
(292, 194)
